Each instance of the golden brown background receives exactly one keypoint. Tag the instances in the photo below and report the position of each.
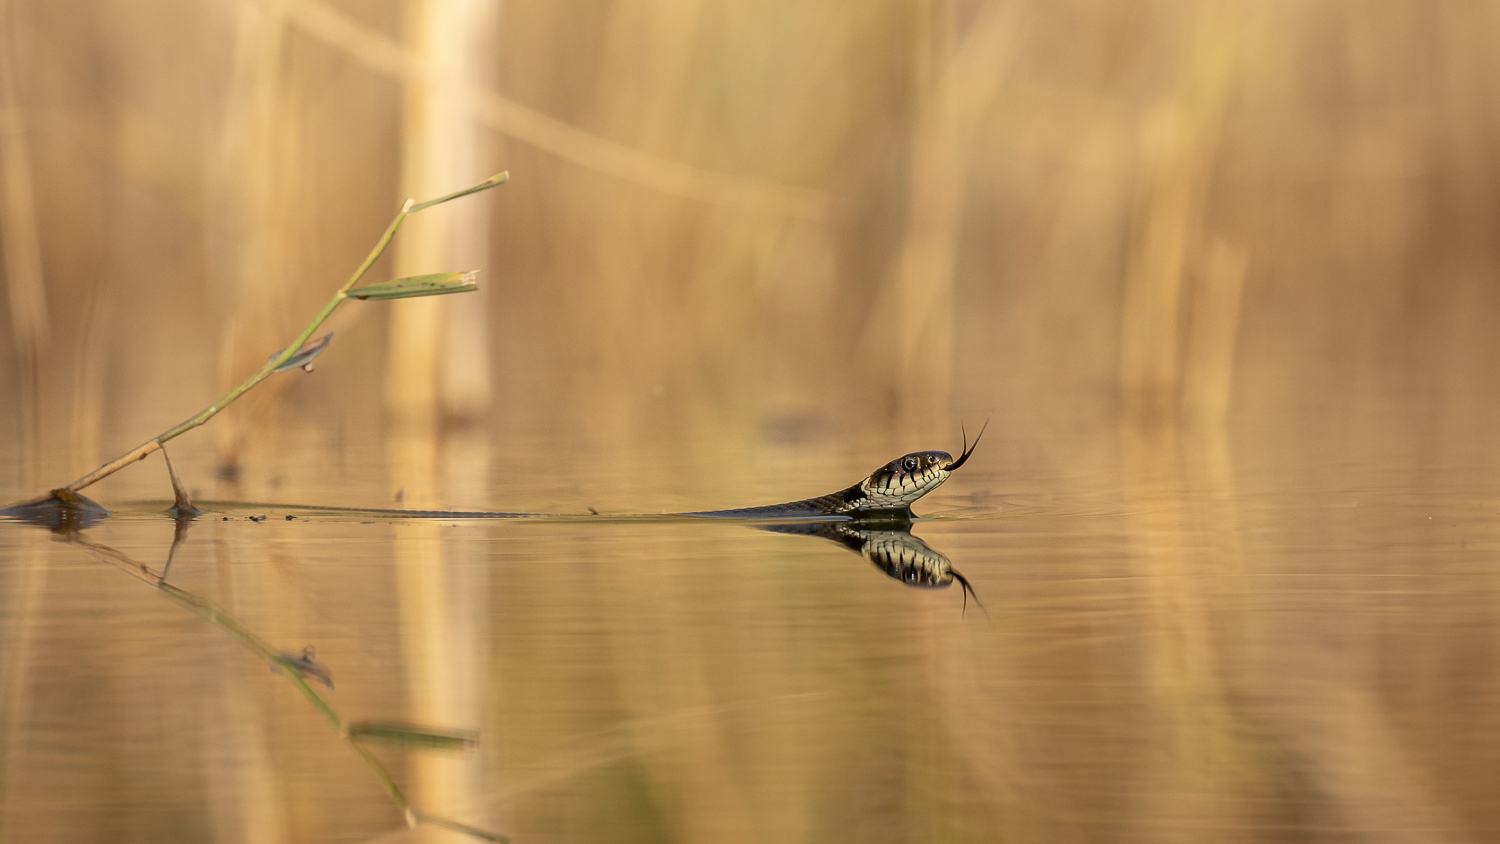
(1222, 275)
(743, 220)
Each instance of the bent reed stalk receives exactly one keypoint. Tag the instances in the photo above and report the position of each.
(68, 495)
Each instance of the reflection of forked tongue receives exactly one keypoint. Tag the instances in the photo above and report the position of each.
(964, 581)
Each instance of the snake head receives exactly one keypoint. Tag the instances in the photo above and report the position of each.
(903, 480)
(898, 483)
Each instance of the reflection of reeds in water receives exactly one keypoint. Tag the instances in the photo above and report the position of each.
(18, 666)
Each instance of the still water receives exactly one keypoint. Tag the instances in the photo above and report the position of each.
(1167, 651)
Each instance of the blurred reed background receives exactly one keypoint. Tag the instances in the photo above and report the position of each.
(1176, 250)
(737, 222)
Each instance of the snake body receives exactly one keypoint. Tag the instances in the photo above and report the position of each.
(888, 492)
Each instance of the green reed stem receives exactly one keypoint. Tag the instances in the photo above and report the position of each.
(141, 451)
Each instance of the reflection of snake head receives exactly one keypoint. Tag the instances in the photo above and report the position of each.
(906, 558)
(910, 560)
(889, 545)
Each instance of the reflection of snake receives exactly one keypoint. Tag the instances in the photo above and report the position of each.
(890, 547)
(889, 490)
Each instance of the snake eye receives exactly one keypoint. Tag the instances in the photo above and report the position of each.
(910, 463)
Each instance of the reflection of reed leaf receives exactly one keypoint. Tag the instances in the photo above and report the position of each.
(306, 666)
(294, 670)
(408, 735)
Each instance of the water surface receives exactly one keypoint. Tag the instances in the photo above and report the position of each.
(1169, 651)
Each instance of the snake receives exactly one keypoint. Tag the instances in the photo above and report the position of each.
(887, 492)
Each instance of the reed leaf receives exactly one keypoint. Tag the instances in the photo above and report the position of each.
(420, 285)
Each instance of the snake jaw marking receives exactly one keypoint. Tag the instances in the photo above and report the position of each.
(902, 481)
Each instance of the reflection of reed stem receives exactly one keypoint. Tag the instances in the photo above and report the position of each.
(21, 620)
(262, 649)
